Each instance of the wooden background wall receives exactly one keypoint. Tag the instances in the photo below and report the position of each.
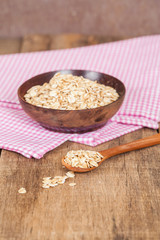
(127, 18)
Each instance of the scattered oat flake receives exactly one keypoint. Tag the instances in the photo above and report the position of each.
(45, 186)
(22, 190)
(57, 177)
(70, 174)
(61, 182)
(72, 184)
(46, 181)
(57, 180)
(53, 185)
(65, 177)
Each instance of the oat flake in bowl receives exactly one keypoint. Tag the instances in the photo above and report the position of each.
(68, 92)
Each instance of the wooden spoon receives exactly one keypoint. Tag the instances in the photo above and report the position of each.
(141, 143)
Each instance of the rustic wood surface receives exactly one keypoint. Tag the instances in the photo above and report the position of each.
(119, 200)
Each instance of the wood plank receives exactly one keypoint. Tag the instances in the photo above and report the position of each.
(119, 200)
(9, 45)
(48, 209)
(113, 200)
(78, 40)
(33, 43)
(140, 202)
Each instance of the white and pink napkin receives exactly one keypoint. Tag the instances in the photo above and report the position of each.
(136, 62)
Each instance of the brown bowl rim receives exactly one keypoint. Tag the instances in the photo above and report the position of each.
(62, 110)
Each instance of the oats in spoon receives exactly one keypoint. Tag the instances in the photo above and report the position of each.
(83, 159)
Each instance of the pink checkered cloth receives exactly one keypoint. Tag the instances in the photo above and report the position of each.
(136, 62)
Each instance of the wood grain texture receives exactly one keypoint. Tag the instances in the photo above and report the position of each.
(33, 43)
(78, 40)
(119, 18)
(119, 200)
(9, 45)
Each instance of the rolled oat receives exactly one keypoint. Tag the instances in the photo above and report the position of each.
(72, 184)
(22, 190)
(57, 180)
(83, 159)
(68, 92)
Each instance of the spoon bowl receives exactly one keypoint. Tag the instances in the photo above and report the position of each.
(135, 145)
(77, 169)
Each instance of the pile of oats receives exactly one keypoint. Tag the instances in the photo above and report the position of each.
(68, 92)
(57, 180)
(83, 159)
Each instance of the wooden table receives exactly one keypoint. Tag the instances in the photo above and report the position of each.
(119, 200)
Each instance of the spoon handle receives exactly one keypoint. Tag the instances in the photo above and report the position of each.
(138, 144)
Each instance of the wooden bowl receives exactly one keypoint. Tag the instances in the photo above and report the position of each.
(72, 120)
